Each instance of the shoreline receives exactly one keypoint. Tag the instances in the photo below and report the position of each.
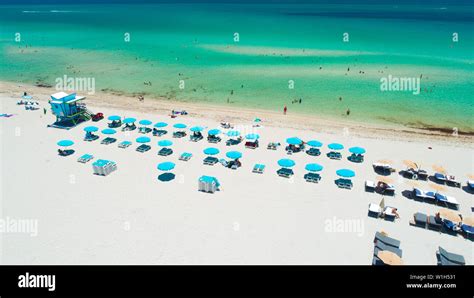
(235, 114)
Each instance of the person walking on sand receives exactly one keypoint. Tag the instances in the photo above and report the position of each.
(348, 112)
(44, 111)
(284, 110)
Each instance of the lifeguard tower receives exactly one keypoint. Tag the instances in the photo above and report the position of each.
(69, 110)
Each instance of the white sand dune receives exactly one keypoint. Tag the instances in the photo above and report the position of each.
(129, 217)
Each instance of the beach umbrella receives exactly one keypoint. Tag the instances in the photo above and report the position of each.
(469, 221)
(382, 203)
(252, 136)
(91, 129)
(335, 146)
(180, 126)
(129, 120)
(233, 133)
(387, 180)
(257, 120)
(313, 167)
(410, 164)
(294, 141)
(109, 131)
(114, 118)
(357, 150)
(437, 187)
(211, 151)
(196, 128)
(214, 132)
(27, 97)
(233, 154)
(65, 143)
(346, 173)
(166, 166)
(145, 122)
(439, 169)
(314, 143)
(385, 161)
(165, 143)
(143, 140)
(470, 176)
(389, 258)
(449, 215)
(286, 163)
(161, 124)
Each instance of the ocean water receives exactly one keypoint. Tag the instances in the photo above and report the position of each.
(281, 45)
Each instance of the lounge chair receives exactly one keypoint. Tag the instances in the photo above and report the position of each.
(415, 174)
(185, 156)
(65, 152)
(144, 130)
(375, 210)
(451, 226)
(224, 162)
(446, 258)
(90, 137)
(214, 139)
(422, 195)
(129, 127)
(165, 151)
(251, 145)
(159, 132)
(381, 246)
(434, 223)
(335, 155)
(210, 161)
(468, 231)
(313, 151)
(195, 137)
(389, 213)
(470, 184)
(85, 158)
(234, 164)
(258, 168)
(370, 186)
(358, 158)
(143, 148)
(447, 201)
(124, 144)
(273, 146)
(312, 177)
(385, 188)
(344, 183)
(419, 220)
(108, 141)
(383, 168)
(179, 134)
(387, 240)
(232, 142)
(115, 124)
(285, 172)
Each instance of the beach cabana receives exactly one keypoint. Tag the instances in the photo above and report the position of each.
(65, 144)
(235, 162)
(69, 109)
(213, 135)
(286, 165)
(158, 129)
(234, 139)
(179, 133)
(252, 141)
(344, 181)
(104, 167)
(143, 141)
(312, 176)
(90, 136)
(166, 167)
(108, 140)
(314, 150)
(165, 151)
(116, 121)
(210, 160)
(208, 184)
(197, 133)
(144, 126)
(295, 144)
(129, 124)
(334, 153)
(357, 154)
(124, 144)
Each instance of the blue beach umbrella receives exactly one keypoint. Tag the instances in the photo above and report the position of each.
(143, 140)
(211, 151)
(91, 129)
(65, 143)
(196, 128)
(252, 136)
(233, 154)
(214, 132)
(314, 167)
(180, 125)
(161, 124)
(129, 120)
(165, 143)
(257, 120)
(233, 133)
(145, 122)
(114, 118)
(335, 146)
(27, 97)
(346, 173)
(314, 143)
(166, 166)
(109, 131)
(286, 163)
(357, 150)
(294, 141)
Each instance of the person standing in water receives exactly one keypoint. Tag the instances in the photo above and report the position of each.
(284, 110)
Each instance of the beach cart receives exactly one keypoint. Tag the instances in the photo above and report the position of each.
(208, 184)
(104, 167)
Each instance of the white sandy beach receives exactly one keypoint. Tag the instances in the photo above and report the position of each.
(130, 217)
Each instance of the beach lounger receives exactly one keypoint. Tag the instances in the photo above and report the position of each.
(387, 240)
(251, 145)
(370, 186)
(65, 152)
(210, 161)
(114, 124)
(232, 142)
(422, 195)
(380, 246)
(159, 132)
(449, 259)
(383, 168)
(85, 158)
(284, 172)
(185, 156)
(128, 127)
(344, 183)
(124, 144)
(144, 130)
(389, 213)
(108, 141)
(419, 220)
(434, 223)
(234, 164)
(213, 139)
(335, 155)
(468, 231)
(312, 177)
(195, 138)
(273, 146)
(165, 151)
(470, 184)
(91, 137)
(415, 174)
(258, 168)
(224, 162)
(447, 201)
(375, 210)
(358, 158)
(313, 151)
(451, 226)
(143, 148)
(179, 134)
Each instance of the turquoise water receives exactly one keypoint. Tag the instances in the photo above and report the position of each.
(278, 43)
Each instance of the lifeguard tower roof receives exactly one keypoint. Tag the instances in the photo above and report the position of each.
(63, 97)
